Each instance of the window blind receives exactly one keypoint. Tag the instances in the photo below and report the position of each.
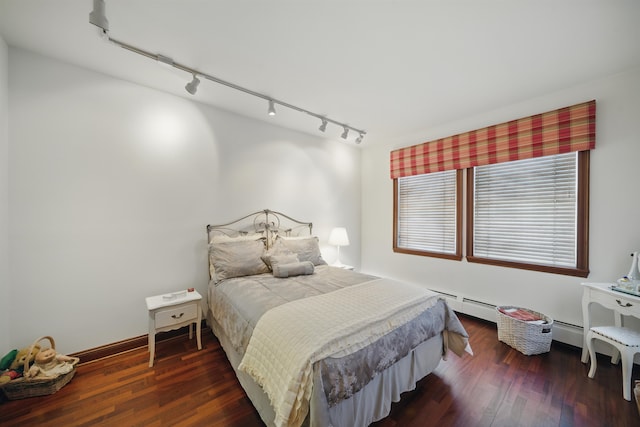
(426, 212)
(526, 211)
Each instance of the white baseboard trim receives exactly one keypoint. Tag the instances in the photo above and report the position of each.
(562, 332)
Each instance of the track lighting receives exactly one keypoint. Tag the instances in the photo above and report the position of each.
(164, 60)
(98, 18)
(192, 86)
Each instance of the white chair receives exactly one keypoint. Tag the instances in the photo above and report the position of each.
(626, 342)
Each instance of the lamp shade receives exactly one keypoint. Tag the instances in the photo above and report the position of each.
(339, 237)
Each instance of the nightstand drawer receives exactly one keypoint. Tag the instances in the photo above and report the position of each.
(176, 315)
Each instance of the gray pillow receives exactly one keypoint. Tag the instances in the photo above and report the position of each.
(307, 249)
(293, 269)
(237, 258)
(278, 253)
(288, 258)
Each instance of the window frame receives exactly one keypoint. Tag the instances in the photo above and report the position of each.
(582, 226)
(458, 223)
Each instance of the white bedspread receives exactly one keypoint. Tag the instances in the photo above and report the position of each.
(288, 339)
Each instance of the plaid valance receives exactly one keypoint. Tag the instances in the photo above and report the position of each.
(555, 132)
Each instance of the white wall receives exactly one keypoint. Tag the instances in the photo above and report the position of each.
(5, 290)
(614, 223)
(112, 185)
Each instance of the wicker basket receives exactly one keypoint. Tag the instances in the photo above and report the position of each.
(526, 337)
(22, 387)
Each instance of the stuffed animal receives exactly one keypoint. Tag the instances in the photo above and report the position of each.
(9, 375)
(8, 359)
(50, 364)
(13, 362)
(24, 354)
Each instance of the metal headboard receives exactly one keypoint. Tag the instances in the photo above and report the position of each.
(266, 222)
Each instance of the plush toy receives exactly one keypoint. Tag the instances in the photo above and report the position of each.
(24, 354)
(8, 359)
(9, 375)
(49, 364)
(13, 363)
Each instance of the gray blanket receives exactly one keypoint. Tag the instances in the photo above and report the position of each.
(237, 305)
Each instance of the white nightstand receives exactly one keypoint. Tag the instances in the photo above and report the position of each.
(172, 311)
(344, 266)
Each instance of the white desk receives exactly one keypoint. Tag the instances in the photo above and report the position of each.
(620, 302)
(170, 314)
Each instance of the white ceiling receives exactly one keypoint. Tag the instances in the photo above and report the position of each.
(391, 67)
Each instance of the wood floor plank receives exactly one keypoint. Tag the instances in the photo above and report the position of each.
(497, 387)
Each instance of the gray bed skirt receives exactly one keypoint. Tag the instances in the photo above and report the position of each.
(370, 404)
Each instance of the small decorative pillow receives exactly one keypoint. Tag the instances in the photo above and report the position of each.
(306, 248)
(285, 258)
(278, 250)
(237, 258)
(292, 269)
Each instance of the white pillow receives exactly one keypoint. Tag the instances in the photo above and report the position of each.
(295, 237)
(218, 238)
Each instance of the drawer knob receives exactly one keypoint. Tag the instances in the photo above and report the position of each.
(182, 314)
(624, 305)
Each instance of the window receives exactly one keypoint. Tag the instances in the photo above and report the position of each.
(427, 214)
(527, 203)
(530, 214)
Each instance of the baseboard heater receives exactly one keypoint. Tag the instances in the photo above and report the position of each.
(563, 332)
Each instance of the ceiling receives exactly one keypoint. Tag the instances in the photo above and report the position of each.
(391, 67)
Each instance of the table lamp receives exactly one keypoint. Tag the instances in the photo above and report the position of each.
(338, 237)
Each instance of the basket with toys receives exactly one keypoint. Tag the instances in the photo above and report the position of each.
(35, 371)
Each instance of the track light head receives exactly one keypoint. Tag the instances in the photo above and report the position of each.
(345, 134)
(272, 108)
(98, 17)
(192, 86)
(359, 138)
(323, 126)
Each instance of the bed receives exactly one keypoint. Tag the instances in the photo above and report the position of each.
(313, 344)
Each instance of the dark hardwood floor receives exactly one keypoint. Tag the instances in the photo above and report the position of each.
(497, 387)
